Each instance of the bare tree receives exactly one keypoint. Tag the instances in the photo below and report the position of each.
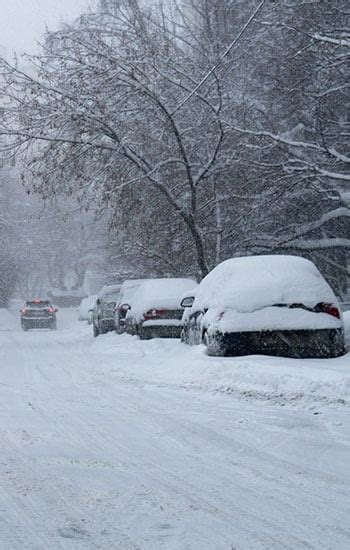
(198, 155)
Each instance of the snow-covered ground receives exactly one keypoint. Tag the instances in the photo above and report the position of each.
(114, 443)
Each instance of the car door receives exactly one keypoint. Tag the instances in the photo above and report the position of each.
(195, 327)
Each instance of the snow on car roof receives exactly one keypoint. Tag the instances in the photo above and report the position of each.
(128, 289)
(253, 282)
(109, 289)
(160, 293)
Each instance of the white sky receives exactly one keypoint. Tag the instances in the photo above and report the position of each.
(22, 22)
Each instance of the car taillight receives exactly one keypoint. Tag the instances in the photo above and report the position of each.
(153, 313)
(51, 310)
(330, 309)
(23, 311)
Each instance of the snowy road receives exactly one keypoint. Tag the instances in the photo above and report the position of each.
(113, 443)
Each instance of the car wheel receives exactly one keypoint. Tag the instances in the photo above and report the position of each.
(214, 348)
(24, 328)
(96, 331)
(103, 329)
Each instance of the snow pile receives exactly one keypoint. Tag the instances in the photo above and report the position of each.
(307, 382)
(159, 294)
(254, 282)
(8, 320)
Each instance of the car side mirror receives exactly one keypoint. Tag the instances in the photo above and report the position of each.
(187, 301)
(98, 301)
(56, 310)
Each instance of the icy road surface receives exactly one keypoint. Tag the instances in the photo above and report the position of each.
(113, 443)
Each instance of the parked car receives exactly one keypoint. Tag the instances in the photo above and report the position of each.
(85, 310)
(38, 314)
(274, 305)
(103, 311)
(155, 309)
(128, 289)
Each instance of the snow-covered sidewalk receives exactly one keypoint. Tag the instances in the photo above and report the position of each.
(114, 443)
(310, 382)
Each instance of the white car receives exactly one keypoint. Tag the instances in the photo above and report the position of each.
(85, 309)
(275, 305)
(155, 309)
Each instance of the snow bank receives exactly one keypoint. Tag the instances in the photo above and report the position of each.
(298, 382)
(8, 319)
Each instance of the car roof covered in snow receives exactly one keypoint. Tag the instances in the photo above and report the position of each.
(254, 282)
(109, 289)
(160, 293)
(128, 289)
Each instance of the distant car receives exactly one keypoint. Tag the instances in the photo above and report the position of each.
(155, 308)
(103, 311)
(128, 289)
(38, 314)
(273, 305)
(85, 310)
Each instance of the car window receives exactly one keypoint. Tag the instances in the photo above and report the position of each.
(37, 305)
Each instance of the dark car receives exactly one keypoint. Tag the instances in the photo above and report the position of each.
(38, 314)
(155, 311)
(272, 305)
(104, 308)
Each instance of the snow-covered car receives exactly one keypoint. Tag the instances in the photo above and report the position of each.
(103, 312)
(274, 305)
(127, 291)
(38, 314)
(155, 310)
(85, 310)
